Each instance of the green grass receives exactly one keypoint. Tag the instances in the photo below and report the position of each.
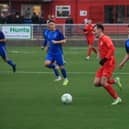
(32, 100)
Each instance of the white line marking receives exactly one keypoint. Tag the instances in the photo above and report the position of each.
(22, 52)
(32, 72)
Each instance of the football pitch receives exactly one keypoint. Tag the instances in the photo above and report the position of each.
(30, 99)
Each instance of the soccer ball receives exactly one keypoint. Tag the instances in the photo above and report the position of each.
(66, 98)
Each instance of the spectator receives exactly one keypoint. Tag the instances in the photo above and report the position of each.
(42, 20)
(3, 18)
(18, 19)
(9, 18)
(35, 18)
(27, 14)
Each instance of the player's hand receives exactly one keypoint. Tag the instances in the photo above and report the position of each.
(102, 61)
(46, 49)
(120, 66)
(55, 42)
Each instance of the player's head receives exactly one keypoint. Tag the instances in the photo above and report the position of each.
(51, 25)
(99, 29)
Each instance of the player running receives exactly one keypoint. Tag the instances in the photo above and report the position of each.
(56, 39)
(89, 33)
(3, 52)
(45, 43)
(107, 61)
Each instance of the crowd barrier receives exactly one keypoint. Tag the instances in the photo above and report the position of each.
(70, 31)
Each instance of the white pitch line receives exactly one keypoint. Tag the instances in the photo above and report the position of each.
(32, 72)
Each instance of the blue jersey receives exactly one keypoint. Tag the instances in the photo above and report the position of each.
(127, 45)
(3, 53)
(1, 38)
(56, 35)
(45, 33)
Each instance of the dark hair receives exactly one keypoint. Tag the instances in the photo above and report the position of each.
(128, 25)
(51, 21)
(99, 26)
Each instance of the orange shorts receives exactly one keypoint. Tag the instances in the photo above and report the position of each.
(107, 69)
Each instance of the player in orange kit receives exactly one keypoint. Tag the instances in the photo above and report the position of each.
(89, 33)
(107, 61)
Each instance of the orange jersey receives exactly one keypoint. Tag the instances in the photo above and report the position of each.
(89, 31)
(106, 47)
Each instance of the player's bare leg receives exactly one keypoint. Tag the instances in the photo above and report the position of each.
(51, 65)
(117, 81)
(89, 52)
(90, 49)
(108, 87)
(97, 82)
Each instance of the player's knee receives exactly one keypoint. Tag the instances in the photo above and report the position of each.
(90, 46)
(96, 83)
(61, 67)
(46, 64)
(103, 82)
(5, 59)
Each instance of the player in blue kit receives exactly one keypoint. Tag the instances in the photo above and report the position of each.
(126, 58)
(55, 39)
(3, 52)
(45, 44)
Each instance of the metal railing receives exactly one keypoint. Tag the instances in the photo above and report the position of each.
(75, 31)
(70, 31)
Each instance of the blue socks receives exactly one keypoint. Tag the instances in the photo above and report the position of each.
(63, 71)
(10, 62)
(54, 68)
(51, 66)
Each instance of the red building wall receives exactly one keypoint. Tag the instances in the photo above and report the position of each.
(95, 8)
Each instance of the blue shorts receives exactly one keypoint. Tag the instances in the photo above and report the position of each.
(58, 58)
(3, 53)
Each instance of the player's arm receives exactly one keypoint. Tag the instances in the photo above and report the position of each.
(2, 37)
(85, 31)
(110, 47)
(45, 40)
(93, 31)
(45, 45)
(2, 40)
(110, 52)
(59, 42)
(125, 59)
